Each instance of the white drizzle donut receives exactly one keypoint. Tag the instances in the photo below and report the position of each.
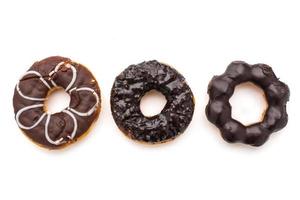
(50, 71)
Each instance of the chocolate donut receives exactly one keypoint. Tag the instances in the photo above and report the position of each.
(218, 110)
(133, 83)
(59, 129)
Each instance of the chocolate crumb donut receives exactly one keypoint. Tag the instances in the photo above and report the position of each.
(56, 130)
(218, 110)
(129, 88)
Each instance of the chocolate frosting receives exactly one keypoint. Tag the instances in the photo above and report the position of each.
(218, 110)
(56, 130)
(129, 88)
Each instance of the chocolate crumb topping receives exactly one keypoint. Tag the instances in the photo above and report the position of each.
(129, 88)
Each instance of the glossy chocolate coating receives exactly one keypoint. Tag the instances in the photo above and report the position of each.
(132, 84)
(61, 124)
(218, 110)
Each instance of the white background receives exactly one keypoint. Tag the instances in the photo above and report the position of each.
(198, 38)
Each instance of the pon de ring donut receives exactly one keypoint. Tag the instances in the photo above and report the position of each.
(218, 110)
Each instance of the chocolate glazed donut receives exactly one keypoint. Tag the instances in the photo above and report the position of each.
(132, 84)
(218, 110)
(59, 129)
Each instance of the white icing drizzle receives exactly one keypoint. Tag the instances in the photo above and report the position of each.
(28, 108)
(56, 142)
(92, 110)
(74, 72)
(41, 78)
(75, 124)
(69, 111)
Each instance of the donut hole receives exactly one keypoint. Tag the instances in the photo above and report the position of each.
(248, 103)
(57, 100)
(152, 103)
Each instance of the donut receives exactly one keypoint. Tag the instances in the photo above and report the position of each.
(218, 110)
(59, 129)
(132, 84)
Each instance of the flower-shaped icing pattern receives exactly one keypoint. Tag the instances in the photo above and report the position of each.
(58, 129)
